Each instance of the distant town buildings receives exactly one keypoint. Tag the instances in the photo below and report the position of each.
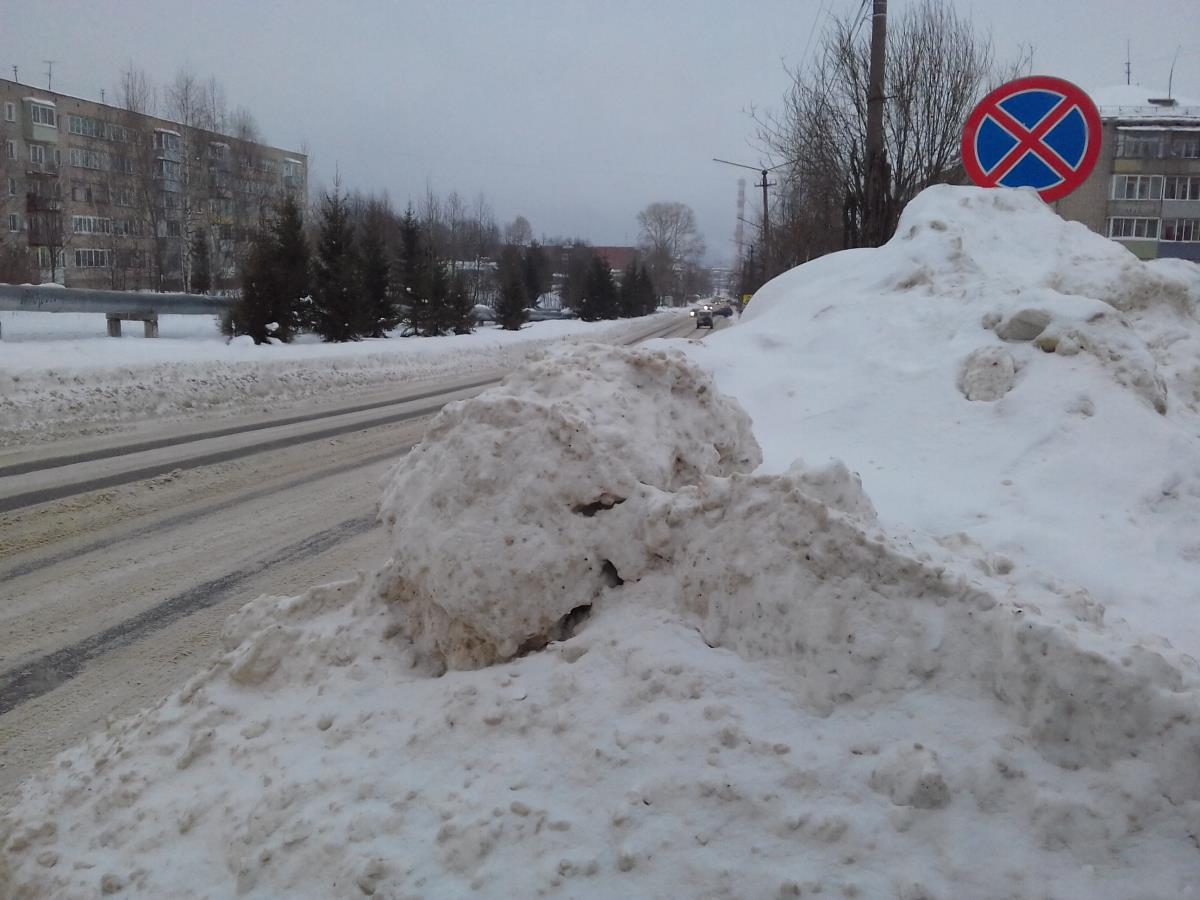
(102, 197)
(1145, 189)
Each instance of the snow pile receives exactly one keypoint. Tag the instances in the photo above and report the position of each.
(495, 513)
(998, 373)
(52, 387)
(696, 682)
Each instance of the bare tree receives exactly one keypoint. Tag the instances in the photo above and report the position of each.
(670, 242)
(518, 232)
(136, 92)
(937, 69)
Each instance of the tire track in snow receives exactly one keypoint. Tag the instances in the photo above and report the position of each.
(42, 675)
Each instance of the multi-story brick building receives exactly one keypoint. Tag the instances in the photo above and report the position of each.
(1145, 189)
(94, 195)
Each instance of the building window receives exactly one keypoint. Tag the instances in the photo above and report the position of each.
(1132, 227)
(90, 225)
(1181, 187)
(37, 153)
(1186, 230)
(1137, 187)
(1137, 145)
(84, 125)
(14, 222)
(88, 159)
(173, 228)
(1185, 146)
(164, 168)
(91, 259)
(12, 187)
(43, 115)
(10, 111)
(166, 140)
(10, 149)
(43, 257)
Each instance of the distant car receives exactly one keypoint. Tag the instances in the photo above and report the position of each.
(704, 319)
(484, 313)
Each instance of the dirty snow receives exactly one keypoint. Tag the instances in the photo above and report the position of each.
(613, 656)
(60, 376)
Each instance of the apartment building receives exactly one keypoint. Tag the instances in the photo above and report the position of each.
(1145, 189)
(93, 195)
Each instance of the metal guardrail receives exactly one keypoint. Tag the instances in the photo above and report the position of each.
(41, 298)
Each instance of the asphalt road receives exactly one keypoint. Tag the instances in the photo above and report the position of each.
(120, 557)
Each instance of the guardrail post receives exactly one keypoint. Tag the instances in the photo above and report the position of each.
(114, 324)
(151, 325)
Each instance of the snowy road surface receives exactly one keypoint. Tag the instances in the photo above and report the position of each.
(121, 556)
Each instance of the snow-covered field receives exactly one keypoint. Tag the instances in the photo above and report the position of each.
(61, 376)
(628, 646)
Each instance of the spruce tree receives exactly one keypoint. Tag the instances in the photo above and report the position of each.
(535, 271)
(379, 309)
(253, 310)
(647, 300)
(629, 293)
(201, 266)
(415, 278)
(599, 292)
(510, 311)
(337, 300)
(293, 270)
(274, 278)
(461, 308)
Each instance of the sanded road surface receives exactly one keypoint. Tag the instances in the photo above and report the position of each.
(120, 557)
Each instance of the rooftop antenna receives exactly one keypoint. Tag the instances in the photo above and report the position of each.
(49, 73)
(101, 95)
(14, 73)
(1127, 60)
(1171, 74)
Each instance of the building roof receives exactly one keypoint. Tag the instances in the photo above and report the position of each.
(617, 257)
(1132, 101)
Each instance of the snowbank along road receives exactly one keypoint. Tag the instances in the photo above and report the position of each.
(120, 558)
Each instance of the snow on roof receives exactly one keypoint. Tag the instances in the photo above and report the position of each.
(290, 159)
(39, 101)
(169, 131)
(1132, 101)
(1160, 127)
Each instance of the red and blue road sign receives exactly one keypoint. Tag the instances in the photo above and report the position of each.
(1039, 132)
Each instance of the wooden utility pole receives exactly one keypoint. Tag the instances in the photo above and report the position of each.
(766, 229)
(766, 223)
(874, 224)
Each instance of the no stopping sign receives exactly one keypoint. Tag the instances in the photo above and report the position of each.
(1039, 132)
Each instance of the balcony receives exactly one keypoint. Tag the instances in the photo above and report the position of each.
(42, 168)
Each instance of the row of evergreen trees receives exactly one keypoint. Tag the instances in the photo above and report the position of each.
(602, 298)
(371, 272)
(353, 286)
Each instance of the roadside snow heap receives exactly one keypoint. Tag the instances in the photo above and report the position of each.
(614, 656)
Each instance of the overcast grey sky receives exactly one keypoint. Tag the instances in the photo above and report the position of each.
(575, 114)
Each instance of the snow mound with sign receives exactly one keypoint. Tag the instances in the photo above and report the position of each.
(612, 656)
(1003, 379)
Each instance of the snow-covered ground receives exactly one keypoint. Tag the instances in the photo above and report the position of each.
(628, 646)
(61, 376)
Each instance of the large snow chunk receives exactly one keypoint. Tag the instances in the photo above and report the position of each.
(494, 516)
